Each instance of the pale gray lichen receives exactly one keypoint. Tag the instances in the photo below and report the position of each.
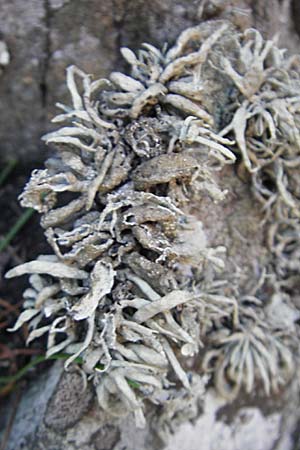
(133, 287)
(252, 352)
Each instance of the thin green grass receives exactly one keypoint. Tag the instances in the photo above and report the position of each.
(23, 219)
(39, 359)
(7, 170)
(23, 371)
(11, 379)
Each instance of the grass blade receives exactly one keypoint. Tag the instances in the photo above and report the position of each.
(7, 170)
(23, 219)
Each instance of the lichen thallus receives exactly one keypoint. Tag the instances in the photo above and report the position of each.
(132, 286)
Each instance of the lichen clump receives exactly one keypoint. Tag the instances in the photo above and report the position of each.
(132, 286)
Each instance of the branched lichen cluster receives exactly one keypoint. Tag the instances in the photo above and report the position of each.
(132, 286)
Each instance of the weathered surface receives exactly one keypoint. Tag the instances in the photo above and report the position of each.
(48, 419)
(23, 28)
(68, 404)
(46, 36)
(32, 410)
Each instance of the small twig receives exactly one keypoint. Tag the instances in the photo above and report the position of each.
(4, 324)
(8, 310)
(8, 306)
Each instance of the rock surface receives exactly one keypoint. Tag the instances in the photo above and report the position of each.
(46, 36)
(56, 414)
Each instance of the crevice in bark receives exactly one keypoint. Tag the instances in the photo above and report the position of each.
(120, 8)
(47, 53)
(295, 9)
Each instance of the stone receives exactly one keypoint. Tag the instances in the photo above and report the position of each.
(69, 403)
(45, 37)
(45, 422)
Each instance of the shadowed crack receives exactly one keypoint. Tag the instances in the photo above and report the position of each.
(47, 53)
(120, 9)
(295, 7)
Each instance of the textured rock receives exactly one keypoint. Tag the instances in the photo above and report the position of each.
(69, 403)
(23, 28)
(45, 36)
(249, 429)
(48, 419)
(32, 410)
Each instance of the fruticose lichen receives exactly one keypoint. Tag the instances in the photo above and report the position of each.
(132, 286)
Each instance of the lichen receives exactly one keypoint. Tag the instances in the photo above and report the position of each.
(132, 286)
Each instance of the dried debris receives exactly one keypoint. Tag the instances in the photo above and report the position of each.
(133, 286)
